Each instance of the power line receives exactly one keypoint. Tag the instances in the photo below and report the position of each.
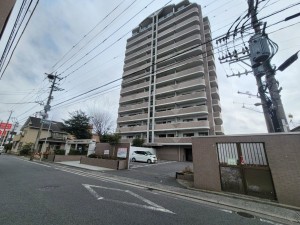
(89, 33)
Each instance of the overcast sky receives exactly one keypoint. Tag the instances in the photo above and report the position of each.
(57, 26)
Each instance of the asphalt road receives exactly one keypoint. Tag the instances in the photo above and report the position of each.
(33, 193)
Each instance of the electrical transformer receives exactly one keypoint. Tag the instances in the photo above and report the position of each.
(259, 49)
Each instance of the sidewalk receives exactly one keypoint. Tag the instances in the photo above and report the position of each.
(234, 201)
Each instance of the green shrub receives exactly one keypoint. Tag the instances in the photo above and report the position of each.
(26, 149)
(76, 152)
(138, 142)
(93, 155)
(59, 152)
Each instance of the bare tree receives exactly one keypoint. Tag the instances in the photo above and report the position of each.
(102, 121)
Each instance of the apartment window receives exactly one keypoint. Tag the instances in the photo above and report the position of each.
(199, 119)
(188, 135)
(129, 137)
(170, 135)
(187, 120)
(162, 135)
(203, 133)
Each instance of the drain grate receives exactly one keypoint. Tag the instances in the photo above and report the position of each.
(244, 214)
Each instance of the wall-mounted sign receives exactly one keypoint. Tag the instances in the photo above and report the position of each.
(106, 152)
(122, 153)
(6, 126)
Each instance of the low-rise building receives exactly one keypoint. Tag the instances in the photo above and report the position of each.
(52, 136)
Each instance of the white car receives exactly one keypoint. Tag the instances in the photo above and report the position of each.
(2, 149)
(143, 156)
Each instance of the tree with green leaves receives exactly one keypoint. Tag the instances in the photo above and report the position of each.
(78, 125)
(138, 142)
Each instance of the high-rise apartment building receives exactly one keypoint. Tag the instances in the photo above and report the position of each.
(170, 90)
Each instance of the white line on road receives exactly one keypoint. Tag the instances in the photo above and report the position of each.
(270, 222)
(151, 205)
(225, 210)
(33, 162)
(146, 165)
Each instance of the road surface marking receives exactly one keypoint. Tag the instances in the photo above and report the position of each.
(146, 165)
(270, 222)
(33, 162)
(225, 210)
(151, 205)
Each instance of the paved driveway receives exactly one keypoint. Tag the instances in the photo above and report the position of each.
(161, 172)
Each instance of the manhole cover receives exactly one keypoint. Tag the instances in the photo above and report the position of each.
(244, 214)
(47, 188)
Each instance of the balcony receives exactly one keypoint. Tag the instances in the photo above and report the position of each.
(135, 88)
(187, 31)
(199, 82)
(179, 27)
(213, 81)
(215, 93)
(138, 37)
(194, 61)
(133, 63)
(219, 130)
(177, 18)
(134, 97)
(182, 98)
(184, 73)
(218, 118)
(133, 107)
(138, 53)
(132, 129)
(183, 126)
(216, 105)
(212, 70)
(196, 110)
(173, 140)
(138, 46)
(182, 44)
(139, 68)
(143, 116)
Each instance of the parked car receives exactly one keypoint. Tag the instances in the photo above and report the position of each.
(143, 156)
(2, 149)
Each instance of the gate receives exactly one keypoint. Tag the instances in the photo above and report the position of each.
(244, 169)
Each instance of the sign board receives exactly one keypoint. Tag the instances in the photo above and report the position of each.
(3, 133)
(6, 126)
(231, 161)
(122, 153)
(106, 152)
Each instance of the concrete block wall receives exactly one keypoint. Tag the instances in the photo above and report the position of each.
(283, 153)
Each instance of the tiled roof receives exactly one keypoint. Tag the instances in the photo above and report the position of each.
(36, 123)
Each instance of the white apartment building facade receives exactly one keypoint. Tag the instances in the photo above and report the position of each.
(169, 90)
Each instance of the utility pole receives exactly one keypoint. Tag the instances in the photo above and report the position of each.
(47, 107)
(275, 107)
(5, 135)
(259, 50)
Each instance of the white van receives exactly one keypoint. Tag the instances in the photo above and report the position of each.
(143, 156)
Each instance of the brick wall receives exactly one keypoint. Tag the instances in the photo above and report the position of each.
(283, 153)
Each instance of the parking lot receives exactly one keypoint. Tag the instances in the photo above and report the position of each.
(161, 172)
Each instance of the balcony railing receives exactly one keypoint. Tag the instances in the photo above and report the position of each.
(142, 116)
(145, 66)
(215, 93)
(173, 140)
(134, 97)
(213, 81)
(183, 85)
(177, 18)
(219, 130)
(199, 110)
(132, 129)
(204, 124)
(218, 118)
(184, 73)
(134, 88)
(133, 107)
(182, 98)
(216, 105)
